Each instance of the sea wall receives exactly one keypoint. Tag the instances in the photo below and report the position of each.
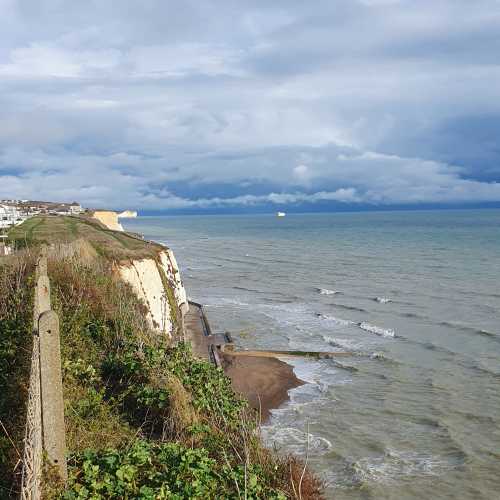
(158, 284)
(108, 218)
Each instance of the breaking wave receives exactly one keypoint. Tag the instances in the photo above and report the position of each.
(349, 308)
(297, 441)
(325, 291)
(338, 321)
(377, 330)
(394, 464)
(384, 332)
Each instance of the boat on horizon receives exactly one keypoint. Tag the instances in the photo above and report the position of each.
(280, 214)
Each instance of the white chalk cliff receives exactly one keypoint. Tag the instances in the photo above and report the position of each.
(127, 214)
(108, 218)
(153, 280)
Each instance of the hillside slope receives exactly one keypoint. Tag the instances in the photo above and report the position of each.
(151, 269)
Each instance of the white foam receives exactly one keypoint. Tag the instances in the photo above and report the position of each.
(233, 302)
(394, 464)
(306, 370)
(383, 300)
(384, 332)
(326, 291)
(338, 321)
(345, 344)
(296, 441)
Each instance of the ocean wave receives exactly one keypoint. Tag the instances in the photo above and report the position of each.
(412, 315)
(345, 344)
(348, 368)
(380, 356)
(486, 333)
(394, 464)
(470, 329)
(297, 441)
(349, 308)
(383, 332)
(382, 300)
(245, 289)
(233, 302)
(338, 321)
(326, 291)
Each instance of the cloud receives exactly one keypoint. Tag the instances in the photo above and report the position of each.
(255, 177)
(221, 104)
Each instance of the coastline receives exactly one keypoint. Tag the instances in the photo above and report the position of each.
(167, 390)
(263, 379)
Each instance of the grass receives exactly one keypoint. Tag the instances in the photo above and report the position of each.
(15, 354)
(110, 244)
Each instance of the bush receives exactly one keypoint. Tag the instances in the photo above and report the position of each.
(160, 470)
(16, 318)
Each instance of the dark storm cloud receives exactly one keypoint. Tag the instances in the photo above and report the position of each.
(165, 104)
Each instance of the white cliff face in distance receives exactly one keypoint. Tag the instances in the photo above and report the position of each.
(108, 218)
(127, 214)
(145, 277)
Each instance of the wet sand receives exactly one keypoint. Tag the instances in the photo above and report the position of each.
(258, 376)
(264, 381)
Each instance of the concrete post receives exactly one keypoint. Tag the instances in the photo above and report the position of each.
(41, 266)
(42, 292)
(36, 312)
(54, 440)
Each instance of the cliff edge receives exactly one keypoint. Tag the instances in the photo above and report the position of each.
(157, 282)
(149, 268)
(108, 218)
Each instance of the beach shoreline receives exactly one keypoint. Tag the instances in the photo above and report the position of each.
(264, 381)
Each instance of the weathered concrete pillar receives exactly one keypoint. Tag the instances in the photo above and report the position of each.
(54, 440)
(42, 292)
(36, 312)
(41, 266)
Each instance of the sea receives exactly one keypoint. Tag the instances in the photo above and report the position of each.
(414, 296)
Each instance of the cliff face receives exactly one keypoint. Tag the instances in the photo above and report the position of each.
(127, 214)
(150, 268)
(108, 218)
(158, 284)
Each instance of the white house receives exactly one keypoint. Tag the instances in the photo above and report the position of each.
(10, 216)
(75, 208)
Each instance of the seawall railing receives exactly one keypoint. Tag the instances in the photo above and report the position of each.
(45, 431)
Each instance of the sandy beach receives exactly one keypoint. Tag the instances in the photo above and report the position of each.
(264, 381)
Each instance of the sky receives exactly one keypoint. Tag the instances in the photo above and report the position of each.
(168, 106)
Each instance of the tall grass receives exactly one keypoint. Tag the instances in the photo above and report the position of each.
(16, 290)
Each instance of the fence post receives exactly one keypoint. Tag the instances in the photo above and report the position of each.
(33, 439)
(42, 294)
(54, 439)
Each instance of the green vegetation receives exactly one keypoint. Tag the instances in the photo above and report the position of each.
(144, 418)
(15, 355)
(60, 229)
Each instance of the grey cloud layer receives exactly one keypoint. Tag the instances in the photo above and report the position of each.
(158, 105)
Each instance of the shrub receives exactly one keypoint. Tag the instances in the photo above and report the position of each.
(15, 354)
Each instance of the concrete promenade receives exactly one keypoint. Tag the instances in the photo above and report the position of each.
(198, 332)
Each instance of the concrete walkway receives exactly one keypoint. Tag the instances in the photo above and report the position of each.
(199, 334)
